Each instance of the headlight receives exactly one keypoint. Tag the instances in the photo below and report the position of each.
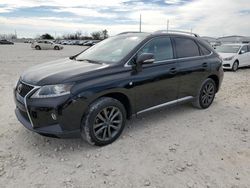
(52, 91)
(228, 58)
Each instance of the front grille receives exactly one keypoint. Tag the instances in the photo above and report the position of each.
(23, 89)
(226, 65)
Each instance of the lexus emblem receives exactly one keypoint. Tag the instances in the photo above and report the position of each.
(19, 88)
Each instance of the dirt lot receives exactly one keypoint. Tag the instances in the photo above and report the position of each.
(177, 147)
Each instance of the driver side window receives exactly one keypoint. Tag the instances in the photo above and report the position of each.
(243, 49)
(161, 47)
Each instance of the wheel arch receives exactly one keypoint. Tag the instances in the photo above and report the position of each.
(216, 80)
(124, 99)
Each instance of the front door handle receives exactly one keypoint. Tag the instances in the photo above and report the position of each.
(173, 70)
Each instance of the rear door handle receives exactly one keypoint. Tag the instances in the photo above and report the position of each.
(173, 70)
(205, 65)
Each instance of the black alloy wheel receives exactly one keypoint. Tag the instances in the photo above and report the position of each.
(206, 95)
(104, 121)
(108, 123)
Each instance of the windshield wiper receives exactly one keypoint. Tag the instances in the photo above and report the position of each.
(72, 57)
(89, 60)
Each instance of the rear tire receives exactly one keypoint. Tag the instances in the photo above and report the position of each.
(206, 94)
(104, 121)
(56, 48)
(235, 66)
(38, 48)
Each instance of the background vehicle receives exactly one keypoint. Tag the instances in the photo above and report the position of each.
(234, 55)
(5, 42)
(46, 45)
(89, 43)
(93, 93)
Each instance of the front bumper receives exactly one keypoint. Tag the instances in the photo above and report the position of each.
(50, 131)
(227, 64)
(38, 115)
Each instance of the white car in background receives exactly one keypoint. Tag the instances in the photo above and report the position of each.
(46, 45)
(234, 55)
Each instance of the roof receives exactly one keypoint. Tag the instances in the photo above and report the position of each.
(161, 32)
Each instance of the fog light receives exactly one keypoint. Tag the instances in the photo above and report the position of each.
(53, 116)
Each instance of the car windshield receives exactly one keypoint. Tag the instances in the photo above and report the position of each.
(228, 48)
(113, 49)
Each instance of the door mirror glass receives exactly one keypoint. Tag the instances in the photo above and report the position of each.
(145, 58)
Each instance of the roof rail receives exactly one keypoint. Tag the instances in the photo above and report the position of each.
(176, 31)
(127, 32)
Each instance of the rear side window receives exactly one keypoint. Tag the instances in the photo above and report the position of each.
(161, 48)
(204, 51)
(186, 47)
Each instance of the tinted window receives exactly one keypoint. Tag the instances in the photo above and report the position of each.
(204, 51)
(248, 47)
(112, 49)
(244, 48)
(186, 47)
(160, 47)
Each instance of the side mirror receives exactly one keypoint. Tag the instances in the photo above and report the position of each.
(145, 58)
(242, 51)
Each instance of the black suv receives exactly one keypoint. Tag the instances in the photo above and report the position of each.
(93, 93)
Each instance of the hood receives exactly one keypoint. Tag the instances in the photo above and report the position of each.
(58, 71)
(225, 55)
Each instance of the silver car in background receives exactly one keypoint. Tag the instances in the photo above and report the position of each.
(46, 45)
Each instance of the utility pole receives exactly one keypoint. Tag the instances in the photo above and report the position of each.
(167, 25)
(140, 24)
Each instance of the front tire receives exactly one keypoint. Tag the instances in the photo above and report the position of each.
(38, 48)
(104, 121)
(206, 94)
(235, 66)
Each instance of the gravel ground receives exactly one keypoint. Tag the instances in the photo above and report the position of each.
(175, 147)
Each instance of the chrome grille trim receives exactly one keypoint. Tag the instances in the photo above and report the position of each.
(25, 99)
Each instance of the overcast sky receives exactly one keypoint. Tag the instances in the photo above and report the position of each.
(206, 17)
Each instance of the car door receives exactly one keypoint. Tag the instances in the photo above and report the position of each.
(243, 56)
(46, 45)
(157, 82)
(248, 56)
(50, 45)
(41, 44)
(193, 65)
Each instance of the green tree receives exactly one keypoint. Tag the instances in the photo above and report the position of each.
(105, 34)
(96, 35)
(47, 36)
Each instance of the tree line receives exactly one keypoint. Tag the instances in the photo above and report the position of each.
(97, 35)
